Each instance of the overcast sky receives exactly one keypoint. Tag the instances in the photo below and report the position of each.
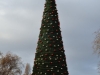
(20, 22)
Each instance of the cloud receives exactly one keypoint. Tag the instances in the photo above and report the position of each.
(20, 21)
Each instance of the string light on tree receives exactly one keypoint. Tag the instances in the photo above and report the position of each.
(50, 57)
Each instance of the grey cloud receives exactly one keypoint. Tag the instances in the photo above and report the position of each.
(20, 21)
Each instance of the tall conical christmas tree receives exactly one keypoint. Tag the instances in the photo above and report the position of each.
(50, 56)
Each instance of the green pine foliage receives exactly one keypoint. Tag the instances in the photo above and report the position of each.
(50, 56)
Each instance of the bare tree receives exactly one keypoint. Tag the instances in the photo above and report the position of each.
(27, 69)
(96, 44)
(10, 64)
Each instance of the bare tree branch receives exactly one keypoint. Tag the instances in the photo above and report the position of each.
(10, 64)
(27, 69)
(96, 43)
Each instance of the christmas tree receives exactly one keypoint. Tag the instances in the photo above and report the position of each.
(50, 56)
